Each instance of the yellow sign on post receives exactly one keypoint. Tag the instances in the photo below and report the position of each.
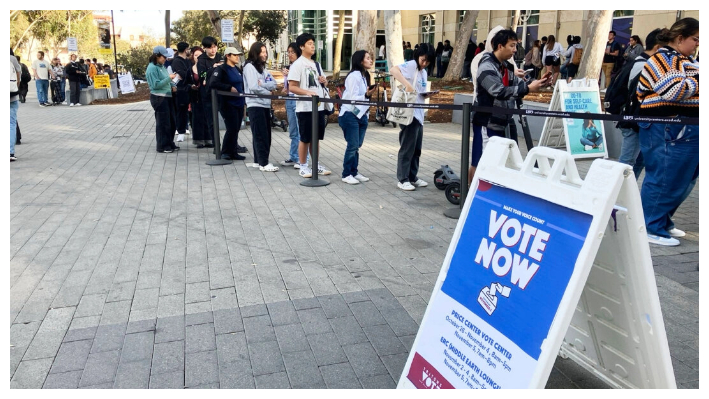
(102, 82)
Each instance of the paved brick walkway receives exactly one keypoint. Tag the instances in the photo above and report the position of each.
(135, 269)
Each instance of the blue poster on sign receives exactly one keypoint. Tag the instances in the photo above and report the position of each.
(513, 262)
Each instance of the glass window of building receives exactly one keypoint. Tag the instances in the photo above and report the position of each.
(528, 27)
(427, 28)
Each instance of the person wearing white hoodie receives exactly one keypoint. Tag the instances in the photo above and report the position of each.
(259, 81)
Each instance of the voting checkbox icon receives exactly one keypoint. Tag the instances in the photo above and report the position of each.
(488, 296)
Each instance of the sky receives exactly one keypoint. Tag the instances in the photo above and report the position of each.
(151, 19)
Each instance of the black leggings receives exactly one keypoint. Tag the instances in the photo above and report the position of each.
(260, 119)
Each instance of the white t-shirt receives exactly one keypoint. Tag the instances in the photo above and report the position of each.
(381, 51)
(409, 70)
(355, 89)
(304, 71)
(42, 68)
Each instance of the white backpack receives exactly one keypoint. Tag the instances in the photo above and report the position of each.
(13, 80)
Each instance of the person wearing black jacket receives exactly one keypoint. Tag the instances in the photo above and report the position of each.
(469, 55)
(228, 77)
(75, 74)
(209, 59)
(181, 66)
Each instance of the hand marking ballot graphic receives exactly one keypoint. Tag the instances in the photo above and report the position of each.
(488, 298)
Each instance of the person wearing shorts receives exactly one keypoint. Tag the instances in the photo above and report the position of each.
(305, 79)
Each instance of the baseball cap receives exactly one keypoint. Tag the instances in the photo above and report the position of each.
(232, 50)
(170, 53)
(160, 50)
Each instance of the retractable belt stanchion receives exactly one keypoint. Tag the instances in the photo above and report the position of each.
(314, 181)
(217, 137)
(454, 213)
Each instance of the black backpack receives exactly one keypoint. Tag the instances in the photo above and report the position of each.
(632, 105)
(617, 92)
(26, 76)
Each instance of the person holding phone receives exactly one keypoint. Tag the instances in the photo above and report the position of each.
(353, 119)
(413, 75)
(498, 84)
(161, 89)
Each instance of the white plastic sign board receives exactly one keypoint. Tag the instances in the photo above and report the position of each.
(228, 30)
(126, 83)
(72, 44)
(518, 262)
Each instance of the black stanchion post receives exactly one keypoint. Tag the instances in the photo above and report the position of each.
(217, 136)
(314, 181)
(454, 213)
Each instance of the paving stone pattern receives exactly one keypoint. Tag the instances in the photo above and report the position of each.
(133, 269)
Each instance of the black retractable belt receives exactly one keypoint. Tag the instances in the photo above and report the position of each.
(217, 137)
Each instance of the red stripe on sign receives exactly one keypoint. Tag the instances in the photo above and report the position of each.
(425, 376)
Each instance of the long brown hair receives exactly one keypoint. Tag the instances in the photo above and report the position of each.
(550, 42)
(685, 27)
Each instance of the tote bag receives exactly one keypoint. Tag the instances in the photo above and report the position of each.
(400, 115)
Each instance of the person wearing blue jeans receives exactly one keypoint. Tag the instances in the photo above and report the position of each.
(671, 170)
(293, 54)
(630, 151)
(42, 72)
(354, 119)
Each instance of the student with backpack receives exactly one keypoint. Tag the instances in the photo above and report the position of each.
(576, 55)
(25, 79)
(630, 149)
(446, 56)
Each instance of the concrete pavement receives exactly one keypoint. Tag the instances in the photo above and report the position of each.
(134, 269)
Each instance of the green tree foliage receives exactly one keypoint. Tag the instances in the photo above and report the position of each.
(135, 60)
(194, 25)
(265, 25)
(52, 27)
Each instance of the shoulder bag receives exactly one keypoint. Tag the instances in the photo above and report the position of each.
(328, 107)
(400, 115)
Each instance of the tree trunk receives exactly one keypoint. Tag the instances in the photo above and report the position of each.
(167, 28)
(455, 66)
(515, 21)
(597, 27)
(338, 45)
(367, 33)
(392, 34)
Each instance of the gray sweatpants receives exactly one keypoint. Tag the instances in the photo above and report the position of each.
(411, 141)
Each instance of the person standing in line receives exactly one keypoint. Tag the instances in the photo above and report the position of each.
(412, 74)
(15, 76)
(573, 68)
(259, 81)
(198, 118)
(42, 72)
(75, 74)
(669, 86)
(208, 60)
(568, 53)
(609, 58)
(293, 54)
(228, 77)
(634, 49)
(305, 79)
(181, 67)
(552, 58)
(59, 78)
(161, 89)
(353, 119)
(25, 78)
(496, 82)
(446, 56)
(439, 51)
(92, 68)
(469, 55)
(408, 53)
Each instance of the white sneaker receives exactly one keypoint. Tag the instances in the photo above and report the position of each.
(406, 186)
(306, 172)
(420, 183)
(677, 233)
(667, 242)
(296, 166)
(78, 104)
(587, 148)
(187, 132)
(64, 103)
(254, 165)
(323, 171)
(350, 180)
(269, 168)
(361, 178)
(180, 137)
(71, 105)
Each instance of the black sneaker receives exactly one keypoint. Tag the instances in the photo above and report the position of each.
(238, 157)
(200, 146)
(165, 151)
(18, 142)
(13, 158)
(226, 157)
(175, 148)
(241, 149)
(210, 145)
